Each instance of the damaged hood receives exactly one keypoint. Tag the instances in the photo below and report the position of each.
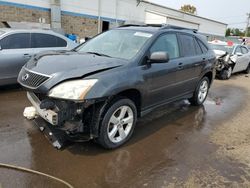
(72, 63)
(69, 65)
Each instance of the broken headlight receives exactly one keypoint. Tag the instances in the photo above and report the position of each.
(72, 90)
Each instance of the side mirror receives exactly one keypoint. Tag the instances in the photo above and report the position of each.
(159, 57)
(239, 54)
(0, 48)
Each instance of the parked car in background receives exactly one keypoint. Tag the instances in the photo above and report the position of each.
(231, 58)
(17, 46)
(98, 90)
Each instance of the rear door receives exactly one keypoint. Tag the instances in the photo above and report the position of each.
(191, 63)
(242, 59)
(245, 57)
(15, 52)
(45, 42)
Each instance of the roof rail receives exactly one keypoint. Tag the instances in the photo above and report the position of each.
(161, 26)
(167, 26)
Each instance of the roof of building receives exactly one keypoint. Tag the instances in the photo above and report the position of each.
(155, 4)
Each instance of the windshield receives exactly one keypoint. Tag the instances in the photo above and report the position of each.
(225, 48)
(124, 44)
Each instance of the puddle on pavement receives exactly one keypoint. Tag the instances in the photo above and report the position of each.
(166, 147)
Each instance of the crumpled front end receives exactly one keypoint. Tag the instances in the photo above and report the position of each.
(73, 119)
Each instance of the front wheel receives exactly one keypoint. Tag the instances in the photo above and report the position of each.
(118, 123)
(200, 93)
(226, 73)
(248, 69)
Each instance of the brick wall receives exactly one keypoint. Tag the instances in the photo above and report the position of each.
(15, 14)
(81, 26)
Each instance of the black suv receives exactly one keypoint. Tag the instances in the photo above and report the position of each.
(99, 89)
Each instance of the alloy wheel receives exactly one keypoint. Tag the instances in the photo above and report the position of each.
(120, 124)
(203, 90)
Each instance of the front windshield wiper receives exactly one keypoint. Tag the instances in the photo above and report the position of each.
(99, 54)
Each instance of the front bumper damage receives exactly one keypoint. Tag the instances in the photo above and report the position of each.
(63, 121)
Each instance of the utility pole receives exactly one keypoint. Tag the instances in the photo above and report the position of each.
(248, 22)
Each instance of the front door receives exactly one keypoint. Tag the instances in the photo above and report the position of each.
(160, 78)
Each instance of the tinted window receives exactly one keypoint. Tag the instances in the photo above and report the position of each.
(40, 40)
(61, 42)
(203, 47)
(188, 45)
(197, 47)
(244, 50)
(16, 41)
(167, 43)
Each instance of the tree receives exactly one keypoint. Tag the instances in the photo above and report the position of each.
(248, 32)
(189, 9)
(228, 32)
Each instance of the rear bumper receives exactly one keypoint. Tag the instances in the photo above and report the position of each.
(49, 115)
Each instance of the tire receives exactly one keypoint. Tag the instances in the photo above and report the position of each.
(111, 135)
(201, 92)
(226, 73)
(248, 69)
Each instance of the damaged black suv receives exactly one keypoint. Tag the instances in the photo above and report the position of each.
(98, 90)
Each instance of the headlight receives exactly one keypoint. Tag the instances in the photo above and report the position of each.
(72, 90)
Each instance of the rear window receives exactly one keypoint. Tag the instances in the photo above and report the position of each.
(188, 47)
(203, 46)
(40, 40)
(16, 41)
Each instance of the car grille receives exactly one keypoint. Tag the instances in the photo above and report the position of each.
(31, 79)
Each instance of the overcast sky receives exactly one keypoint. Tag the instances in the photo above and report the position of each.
(232, 12)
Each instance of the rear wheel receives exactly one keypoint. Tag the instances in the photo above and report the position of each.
(200, 93)
(118, 123)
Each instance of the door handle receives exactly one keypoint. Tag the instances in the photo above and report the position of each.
(26, 55)
(196, 64)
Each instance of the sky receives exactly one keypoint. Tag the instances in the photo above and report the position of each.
(232, 12)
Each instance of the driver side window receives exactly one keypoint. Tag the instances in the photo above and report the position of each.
(166, 43)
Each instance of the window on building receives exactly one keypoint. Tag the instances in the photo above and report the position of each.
(167, 43)
(16, 41)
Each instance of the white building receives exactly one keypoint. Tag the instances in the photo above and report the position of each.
(88, 17)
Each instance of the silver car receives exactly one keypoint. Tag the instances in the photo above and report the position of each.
(17, 46)
(230, 59)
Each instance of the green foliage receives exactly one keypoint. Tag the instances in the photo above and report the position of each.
(189, 9)
(234, 32)
(228, 32)
(248, 32)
